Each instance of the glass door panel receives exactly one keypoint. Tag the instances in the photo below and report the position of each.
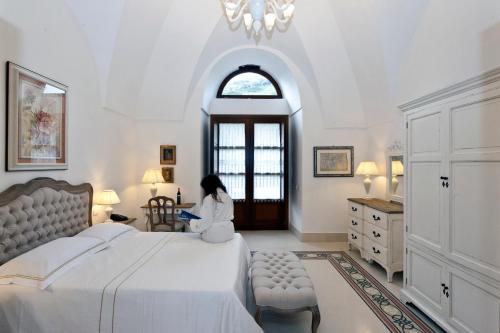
(229, 157)
(268, 162)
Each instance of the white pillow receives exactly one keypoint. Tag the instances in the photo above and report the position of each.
(106, 231)
(43, 265)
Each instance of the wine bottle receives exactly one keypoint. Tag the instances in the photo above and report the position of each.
(178, 195)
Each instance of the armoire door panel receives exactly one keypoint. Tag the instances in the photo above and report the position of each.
(424, 279)
(474, 127)
(475, 215)
(473, 305)
(425, 134)
(424, 210)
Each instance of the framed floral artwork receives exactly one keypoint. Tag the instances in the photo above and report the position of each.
(336, 161)
(37, 119)
(168, 155)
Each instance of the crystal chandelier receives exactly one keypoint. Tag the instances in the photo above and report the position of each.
(257, 13)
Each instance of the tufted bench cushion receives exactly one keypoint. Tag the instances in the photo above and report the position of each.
(279, 280)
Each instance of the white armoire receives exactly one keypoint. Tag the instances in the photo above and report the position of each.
(452, 205)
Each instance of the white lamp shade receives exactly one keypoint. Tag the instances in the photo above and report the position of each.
(257, 26)
(288, 12)
(397, 168)
(367, 168)
(108, 197)
(152, 176)
(270, 19)
(247, 18)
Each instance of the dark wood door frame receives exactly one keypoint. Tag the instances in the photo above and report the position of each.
(252, 207)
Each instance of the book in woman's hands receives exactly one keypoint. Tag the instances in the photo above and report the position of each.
(188, 216)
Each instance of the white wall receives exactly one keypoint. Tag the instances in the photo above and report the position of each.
(324, 200)
(249, 106)
(47, 40)
(295, 172)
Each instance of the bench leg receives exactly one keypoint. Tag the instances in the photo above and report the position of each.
(316, 319)
(258, 315)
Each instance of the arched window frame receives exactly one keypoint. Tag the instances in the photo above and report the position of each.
(250, 69)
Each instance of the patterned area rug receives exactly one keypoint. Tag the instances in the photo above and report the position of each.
(387, 307)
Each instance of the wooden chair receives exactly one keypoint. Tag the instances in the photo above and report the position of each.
(162, 215)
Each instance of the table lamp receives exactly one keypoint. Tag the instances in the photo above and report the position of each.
(108, 198)
(367, 169)
(153, 177)
(397, 169)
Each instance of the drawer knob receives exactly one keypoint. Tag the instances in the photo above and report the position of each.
(376, 234)
(353, 236)
(376, 218)
(354, 223)
(354, 209)
(375, 250)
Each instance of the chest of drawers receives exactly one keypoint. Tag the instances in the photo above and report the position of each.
(376, 230)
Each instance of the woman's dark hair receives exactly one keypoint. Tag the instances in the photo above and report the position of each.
(210, 184)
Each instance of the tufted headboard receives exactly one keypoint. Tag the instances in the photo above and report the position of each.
(40, 211)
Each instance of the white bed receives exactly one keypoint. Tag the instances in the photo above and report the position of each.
(143, 282)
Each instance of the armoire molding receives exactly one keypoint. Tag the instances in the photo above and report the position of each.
(481, 80)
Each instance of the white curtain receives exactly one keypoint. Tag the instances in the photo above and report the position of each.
(231, 163)
(268, 162)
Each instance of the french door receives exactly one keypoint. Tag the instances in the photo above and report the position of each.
(250, 155)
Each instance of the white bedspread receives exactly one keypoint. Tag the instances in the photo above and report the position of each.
(144, 282)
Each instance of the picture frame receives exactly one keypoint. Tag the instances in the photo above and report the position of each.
(168, 154)
(168, 174)
(37, 121)
(334, 161)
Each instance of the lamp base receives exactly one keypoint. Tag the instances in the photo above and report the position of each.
(108, 211)
(154, 191)
(367, 183)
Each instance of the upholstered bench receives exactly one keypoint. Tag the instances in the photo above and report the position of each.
(281, 284)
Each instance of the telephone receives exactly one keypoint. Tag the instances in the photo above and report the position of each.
(118, 217)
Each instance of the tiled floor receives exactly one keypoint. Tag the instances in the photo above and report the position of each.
(341, 308)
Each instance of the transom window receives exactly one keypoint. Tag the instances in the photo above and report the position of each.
(249, 82)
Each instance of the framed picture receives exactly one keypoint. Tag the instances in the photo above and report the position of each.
(167, 154)
(334, 161)
(168, 174)
(37, 119)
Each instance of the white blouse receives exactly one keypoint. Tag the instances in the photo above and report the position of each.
(216, 215)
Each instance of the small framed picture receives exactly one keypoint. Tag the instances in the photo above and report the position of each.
(37, 115)
(336, 161)
(168, 174)
(167, 154)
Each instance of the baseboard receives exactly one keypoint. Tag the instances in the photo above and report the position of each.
(318, 237)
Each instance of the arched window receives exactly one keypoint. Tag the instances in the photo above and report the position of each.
(249, 82)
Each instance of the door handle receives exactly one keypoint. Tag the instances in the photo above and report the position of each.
(354, 209)
(354, 223)
(376, 234)
(376, 218)
(375, 250)
(354, 236)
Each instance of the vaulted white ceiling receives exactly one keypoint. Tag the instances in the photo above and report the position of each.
(361, 58)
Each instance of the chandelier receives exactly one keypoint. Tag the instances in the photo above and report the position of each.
(259, 13)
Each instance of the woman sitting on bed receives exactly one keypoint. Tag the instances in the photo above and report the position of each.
(216, 212)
